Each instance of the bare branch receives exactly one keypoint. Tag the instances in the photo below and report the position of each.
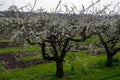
(58, 6)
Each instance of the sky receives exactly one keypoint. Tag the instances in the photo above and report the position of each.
(49, 5)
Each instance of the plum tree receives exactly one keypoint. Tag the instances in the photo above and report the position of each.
(108, 31)
(51, 31)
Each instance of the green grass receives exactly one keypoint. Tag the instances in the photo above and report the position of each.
(30, 58)
(38, 72)
(77, 66)
(86, 67)
(19, 49)
(91, 40)
(5, 40)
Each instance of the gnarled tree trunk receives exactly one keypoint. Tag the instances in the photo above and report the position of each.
(109, 60)
(59, 69)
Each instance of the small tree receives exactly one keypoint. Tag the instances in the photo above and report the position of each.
(109, 34)
(47, 30)
(52, 31)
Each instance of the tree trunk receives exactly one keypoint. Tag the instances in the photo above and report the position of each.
(109, 60)
(43, 50)
(59, 69)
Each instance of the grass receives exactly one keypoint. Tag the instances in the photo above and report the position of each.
(5, 40)
(32, 73)
(91, 40)
(30, 58)
(77, 66)
(86, 67)
(19, 49)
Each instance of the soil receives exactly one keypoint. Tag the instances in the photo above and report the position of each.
(97, 52)
(11, 62)
(9, 44)
(25, 54)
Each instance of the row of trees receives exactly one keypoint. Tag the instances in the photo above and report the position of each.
(54, 33)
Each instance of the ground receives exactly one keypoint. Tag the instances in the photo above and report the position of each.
(26, 65)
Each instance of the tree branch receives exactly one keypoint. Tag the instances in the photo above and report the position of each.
(63, 52)
(103, 43)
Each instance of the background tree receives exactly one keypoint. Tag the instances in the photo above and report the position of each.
(13, 8)
(12, 11)
(108, 31)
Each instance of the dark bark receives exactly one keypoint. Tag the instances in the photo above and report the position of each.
(43, 50)
(59, 69)
(44, 54)
(104, 43)
(65, 48)
(109, 60)
(109, 51)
